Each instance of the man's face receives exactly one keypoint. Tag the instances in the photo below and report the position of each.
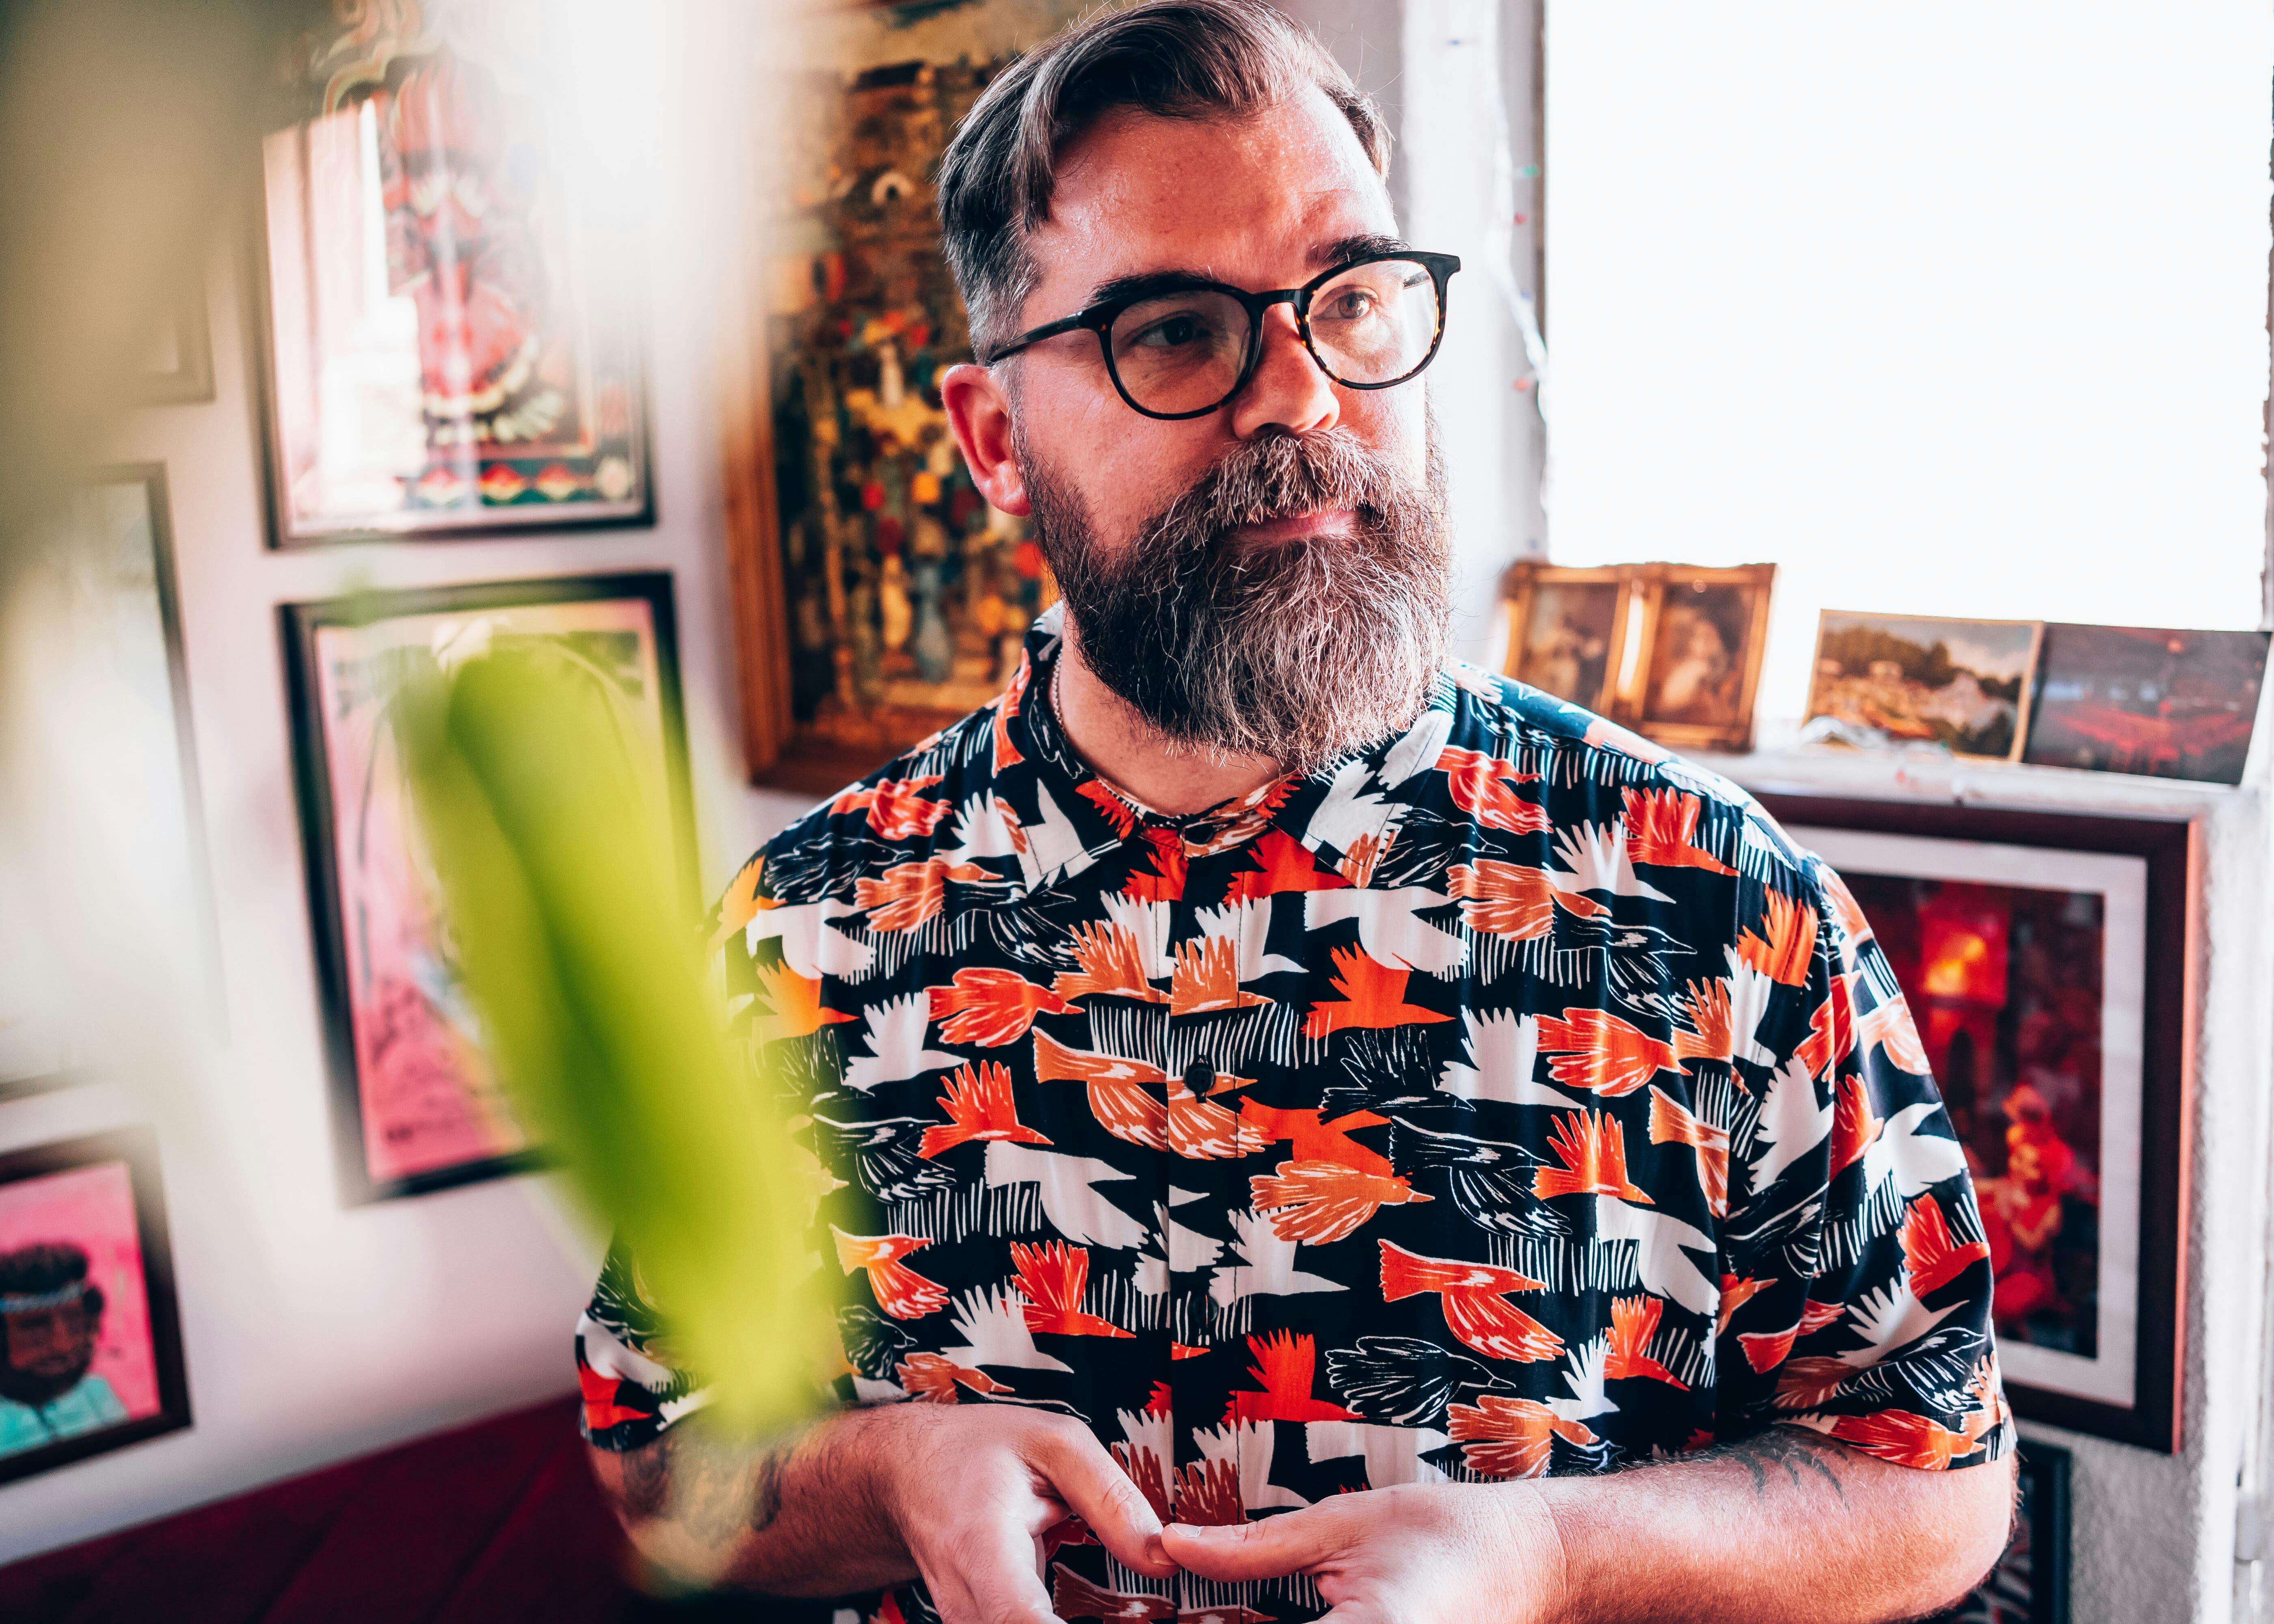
(1218, 568)
(49, 1350)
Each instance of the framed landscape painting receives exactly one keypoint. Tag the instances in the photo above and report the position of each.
(90, 1341)
(416, 1104)
(451, 342)
(2048, 962)
(1964, 685)
(2139, 699)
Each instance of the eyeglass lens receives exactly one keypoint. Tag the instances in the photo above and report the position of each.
(1181, 351)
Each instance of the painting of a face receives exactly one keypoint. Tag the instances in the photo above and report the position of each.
(49, 1349)
(1567, 641)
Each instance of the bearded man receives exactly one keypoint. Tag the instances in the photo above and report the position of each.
(1265, 1061)
(50, 1319)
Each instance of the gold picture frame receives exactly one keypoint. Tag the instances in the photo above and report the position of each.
(1568, 629)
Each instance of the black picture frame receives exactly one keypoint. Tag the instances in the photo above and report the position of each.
(2029, 1584)
(137, 1148)
(2171, 850)
(300, 625)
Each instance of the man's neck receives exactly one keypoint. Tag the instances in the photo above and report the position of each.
(1120, 747)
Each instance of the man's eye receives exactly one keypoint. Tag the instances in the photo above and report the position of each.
(1174, 333)
(1351, 304)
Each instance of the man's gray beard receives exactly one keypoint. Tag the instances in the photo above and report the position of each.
(1300, 651)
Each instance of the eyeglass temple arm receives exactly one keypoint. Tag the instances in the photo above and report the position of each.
(1036, 335)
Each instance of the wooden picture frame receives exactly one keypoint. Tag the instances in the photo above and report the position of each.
(102, 1195)
(2138, 877)
(1892, 698)
(1589, 606)
(436, 1119)
(1730, 607)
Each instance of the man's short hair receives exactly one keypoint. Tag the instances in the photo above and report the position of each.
(1171, 58)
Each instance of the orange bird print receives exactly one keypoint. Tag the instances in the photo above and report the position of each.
(1476, 1306)
(1117, 811)
(989, 1007)
(1480, 786)
(906, 895)
(1662, 830)
(1282, 863)
(979, 1106)
(1785, 952)
(1310, 1139)
(1594, 1049)
(1324, 1201)
(1512, 900)
(1122, 1098)
(1108, 956)
(932, 1378)
(1284, 1366)
(1592, 1148)
(1073, 1597)
(1165, 882)
(1670, 1123)
(1831, 1030)
(1906, 1439)
(1206, 976)
(1889, 1026)
(1373, 999)
(1050, 1278)
(899, 1290)
(896, 812)
(1712, 1032)
(1855, 1126)
(795, 1001)
(1736, 1293)
(1634, 1322)
(1504, 1437)
(1932, 1258)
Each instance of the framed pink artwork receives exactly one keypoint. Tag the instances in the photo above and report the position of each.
(90, 1341)
(416, 1106)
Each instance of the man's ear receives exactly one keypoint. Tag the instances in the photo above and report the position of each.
(979, 412)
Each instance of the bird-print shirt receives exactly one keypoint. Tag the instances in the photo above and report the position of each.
(1510, 1098)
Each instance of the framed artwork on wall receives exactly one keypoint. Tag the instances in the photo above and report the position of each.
(179, 370)
(1567, 629)
(415, 1106)
(2048, 962)
(90, 1339)
(450, 341)
(2141, 699)
(1964, 685)
(2029, 1584)
(1701, 633)
(878, 597)
(103, 598)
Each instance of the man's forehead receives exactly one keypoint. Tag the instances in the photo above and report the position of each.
(1262, 198)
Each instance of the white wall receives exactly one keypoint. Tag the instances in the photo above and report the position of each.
(313, 1332)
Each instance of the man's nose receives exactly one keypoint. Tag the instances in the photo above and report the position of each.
(1288, 390)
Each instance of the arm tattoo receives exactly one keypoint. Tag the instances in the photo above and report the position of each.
(1782, 1448)
(766, 1501)
(709, 1488)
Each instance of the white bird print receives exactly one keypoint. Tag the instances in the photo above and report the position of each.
(1350, 811)
(1188, 1249)
(1417, 752)
(1388, 927)
(1888, 1318)
(1915, 1161)
(894, 1032)
(1248, 926)
(979, 831)
(1392, 1454)
(1054, 848)
(1749, 992)
(1248, 1445)
(993, 1324)
(1068, 1185)
(1661, 1252)
(1503, 1050)
(1267, 1265)
(1596, 854)
(1589, 1395)
(811, 945)
(1793, 1123)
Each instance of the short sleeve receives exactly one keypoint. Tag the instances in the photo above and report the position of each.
(1856, 1277)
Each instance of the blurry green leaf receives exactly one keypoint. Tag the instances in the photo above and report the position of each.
(558, 886)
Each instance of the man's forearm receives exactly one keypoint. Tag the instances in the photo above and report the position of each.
(1788, 1526)
(796, 1515)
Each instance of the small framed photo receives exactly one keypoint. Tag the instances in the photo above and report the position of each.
(2048, 960)
(2173, 704)
(90, 1341)
(1701, 633)
(416, 1105)
(2029, 1584)
(1568, 629)
(1962, 684)
(451, 342)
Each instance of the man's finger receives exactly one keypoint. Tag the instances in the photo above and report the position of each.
(1266, 1549)
(990, 1576)
(1097, 1490)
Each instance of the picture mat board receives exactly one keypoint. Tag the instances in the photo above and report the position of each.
(2122, 882)
(480, 1143)
(135, 1149)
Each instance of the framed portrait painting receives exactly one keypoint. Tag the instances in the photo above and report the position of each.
(1964, 685)
(1567, 629)
(416, 1104)
(451, 346)
(2048, 961)
(90, 1340)
(1701, 633)
(2141, 699)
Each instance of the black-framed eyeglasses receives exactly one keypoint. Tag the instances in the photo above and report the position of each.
(1183, 350)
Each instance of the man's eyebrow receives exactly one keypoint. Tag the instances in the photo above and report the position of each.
(1144, 283)
(1326, 254)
